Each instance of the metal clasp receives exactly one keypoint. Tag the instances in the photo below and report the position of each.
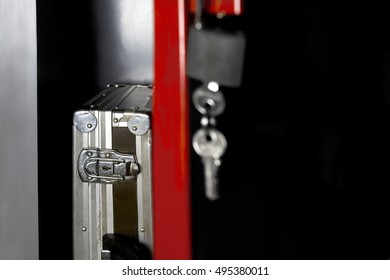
(108, 166)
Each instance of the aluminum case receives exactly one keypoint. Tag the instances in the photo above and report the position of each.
(112, 170)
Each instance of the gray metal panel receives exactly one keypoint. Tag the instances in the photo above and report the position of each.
(18, 131)
(124, 33)
(120, 94)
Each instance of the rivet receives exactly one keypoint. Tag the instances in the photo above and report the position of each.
(84, 228)
(89, 125)
(134, 128)
(142, 229)
(89, 154)
(115, 120)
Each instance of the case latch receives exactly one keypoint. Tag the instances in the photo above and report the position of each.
(108, 166)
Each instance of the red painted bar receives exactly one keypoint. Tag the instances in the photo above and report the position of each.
(170, 155)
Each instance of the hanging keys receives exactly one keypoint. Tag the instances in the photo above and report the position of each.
(210, 144)
(215, 57)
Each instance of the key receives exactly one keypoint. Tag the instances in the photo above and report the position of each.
(210, 144)
(208, 102)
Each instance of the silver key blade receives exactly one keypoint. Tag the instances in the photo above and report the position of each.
(210, 145)
(211, 166)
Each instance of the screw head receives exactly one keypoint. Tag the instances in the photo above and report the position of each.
(134, 169)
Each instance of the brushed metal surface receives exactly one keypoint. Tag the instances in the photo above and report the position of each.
(18, 131)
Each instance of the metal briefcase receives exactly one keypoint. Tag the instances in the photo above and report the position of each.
(112, 197)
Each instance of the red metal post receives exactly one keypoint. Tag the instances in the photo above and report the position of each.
(171, 183)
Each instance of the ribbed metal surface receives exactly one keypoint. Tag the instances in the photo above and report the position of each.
(123, 97)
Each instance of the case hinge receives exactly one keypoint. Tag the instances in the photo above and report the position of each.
(107, 166)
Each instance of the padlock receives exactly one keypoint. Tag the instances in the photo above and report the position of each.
(216, 55)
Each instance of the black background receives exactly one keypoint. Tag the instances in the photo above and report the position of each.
(305, 175)
(66, 79)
